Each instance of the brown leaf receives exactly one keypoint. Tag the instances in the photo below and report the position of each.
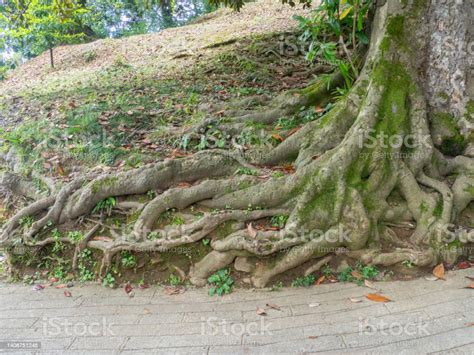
(102, 238)
(320, 280)
(128, 288)
(463, 265)
(143, 286)
(38, 287)
(471, 285)
(273, 306)
(61, 286)
(252, 232)
(369, 284)
(184, 184)
(318, 109)
(377, 298)
(439, 271)
(312, 337)
(174, 290)
(278, 137)
(261, 311)
(54, 279)
(293, 131)
(357, 275)
(67, 294)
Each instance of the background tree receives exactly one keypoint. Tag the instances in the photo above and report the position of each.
(38, 25)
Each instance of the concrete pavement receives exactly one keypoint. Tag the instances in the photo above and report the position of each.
(423, 317)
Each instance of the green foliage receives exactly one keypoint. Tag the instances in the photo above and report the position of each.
(85, 263)
(37, 25)
(105, 205)
(327, 271)
(279, 221)
(221, 282)
(108, 280)
(26, 221)
(127, 259)
(75, 236)
(305, 281)
(332, 25)
(174, 280)
(246, 171)
(366, 272)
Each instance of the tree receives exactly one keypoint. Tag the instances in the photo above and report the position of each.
(396, 149)
(38, 25)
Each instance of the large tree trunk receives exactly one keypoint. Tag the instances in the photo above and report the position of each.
(354, 178)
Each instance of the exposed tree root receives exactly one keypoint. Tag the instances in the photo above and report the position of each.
(350, 181)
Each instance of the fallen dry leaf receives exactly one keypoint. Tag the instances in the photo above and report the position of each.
(184, 184)
(67, 294)
(312, 305)
(273, 306)
(128, 288)
(252, 232)
(278, 137)
(471, 285)
(102, 238)
(261, 311)
(357, 275)
(369, 284)
(439, 271)
(320, 280)
(146, 311)
(61, 286)
(174, 290)
(355, 300)
(431, 278)
(38, 287)
(312, 337)
(377, 298)
(143, 286)
(463, 265)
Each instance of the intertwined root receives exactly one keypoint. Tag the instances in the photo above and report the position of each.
(346, 189)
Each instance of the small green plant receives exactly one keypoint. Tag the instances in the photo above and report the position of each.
(105, 205)
(127, 259)
(75, 236)
(221, 283)
(408, 264)
(108, 281)
(246, 171)
(58, 245)
(90, 56)
(177, 220)
(305, 281)
(277, 174)
(206, 242)
(277, 286)
(359, 274)
(174, 280)
(26, 221)
(279, 221)
(327, 271)
(153, 235)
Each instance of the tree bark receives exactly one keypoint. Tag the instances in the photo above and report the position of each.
(396, 150)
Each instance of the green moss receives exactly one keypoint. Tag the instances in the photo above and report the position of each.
(454, 144)
(438, 210)
(105, 182)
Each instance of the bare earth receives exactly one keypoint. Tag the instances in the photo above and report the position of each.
(424, 317)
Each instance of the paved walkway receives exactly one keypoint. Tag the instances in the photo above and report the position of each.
(423, 317)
